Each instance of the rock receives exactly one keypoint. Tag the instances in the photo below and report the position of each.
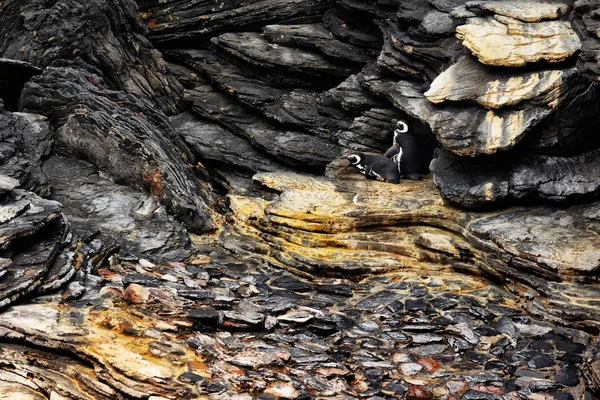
(144, 154)
(320, 239)
(507, 42)
(19, 72)
(133, 221)
(533, 11)
(39, 253)
(585, 22)
(352, 96)
(180, 22)
(315, 36)
(26, 140)
(294, 65)
(136, 294)
(292, 148)
(296, 109)
(470, 80)
(410, 368)
(407, 57)
(553, 178)
(104, 38)
(283, 390)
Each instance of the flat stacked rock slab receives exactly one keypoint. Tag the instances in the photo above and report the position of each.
(508, 42)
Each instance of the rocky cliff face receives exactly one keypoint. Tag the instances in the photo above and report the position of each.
(130, 129)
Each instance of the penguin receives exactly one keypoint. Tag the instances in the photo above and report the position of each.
(401, 128)
(376, 167)
(413, 152)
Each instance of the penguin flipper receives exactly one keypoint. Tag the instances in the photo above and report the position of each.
(392, 151)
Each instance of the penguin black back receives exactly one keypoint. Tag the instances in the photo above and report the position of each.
(376, 167)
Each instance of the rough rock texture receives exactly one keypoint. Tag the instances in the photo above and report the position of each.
(14, 75)
(25, 140)
(473, 184)
(120, 216)
(218, 328)
(103, 37)
(37, 252)
(352, 227)
(586, 21)
(473, 81)
(122, 135)
(507, 42)
(197, 19)
(309, 287)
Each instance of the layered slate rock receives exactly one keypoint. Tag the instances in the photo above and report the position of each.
(121, 218)
(298, 109)
(103, 37)
(467, 131)
(123, 136)
(289, 65)
(468, 80)
(586, 21)
(25, 141)
(289, 147)
(315, 36)
(198, 19)
(218, 328)
(329, 226)
(37, 252)
(532, 11)
(479, 183)
(410, 55)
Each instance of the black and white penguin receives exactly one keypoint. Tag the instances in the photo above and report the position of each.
(376, 167)
(413, 152)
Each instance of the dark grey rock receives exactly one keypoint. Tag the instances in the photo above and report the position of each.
(146, 150)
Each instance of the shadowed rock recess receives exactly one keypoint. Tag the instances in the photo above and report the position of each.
(178, 219)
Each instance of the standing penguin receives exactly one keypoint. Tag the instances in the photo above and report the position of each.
(376, 167)
(413, 152)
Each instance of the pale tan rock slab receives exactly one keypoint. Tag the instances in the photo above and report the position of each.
(469, 80)
(507, 42)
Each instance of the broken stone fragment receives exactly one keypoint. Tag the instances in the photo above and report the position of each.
(136, 294)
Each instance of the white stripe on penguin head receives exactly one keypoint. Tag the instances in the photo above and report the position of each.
(402, 127)
(354, 159)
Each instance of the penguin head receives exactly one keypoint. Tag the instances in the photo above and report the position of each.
(355, 159)
(401, 127)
